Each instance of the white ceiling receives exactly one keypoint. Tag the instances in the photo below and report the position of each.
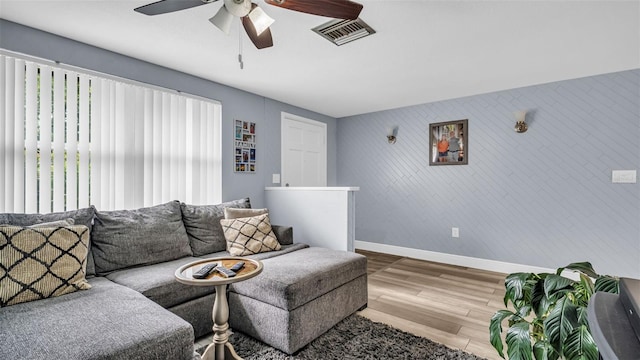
(423, 51)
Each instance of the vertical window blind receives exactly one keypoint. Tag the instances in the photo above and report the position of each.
(72, 139)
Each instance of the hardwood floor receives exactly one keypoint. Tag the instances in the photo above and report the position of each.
(445, 303)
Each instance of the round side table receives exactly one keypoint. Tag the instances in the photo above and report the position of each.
(220, 349)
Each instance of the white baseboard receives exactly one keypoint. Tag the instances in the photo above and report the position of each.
(476, 263)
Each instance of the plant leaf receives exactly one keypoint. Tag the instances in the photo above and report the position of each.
(539, 300)
(542, 350)
(582, 291)
(514, 285)
(587, 284)
(554, 283)
(524, 310)
(537, 329)
(579, 345)
(582, 316)
(561, 321)
(607, 284)
(495, 329)
(519, 342)
(583, 267)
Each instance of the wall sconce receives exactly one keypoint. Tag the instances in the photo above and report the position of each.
(391, 134)
(521, 125)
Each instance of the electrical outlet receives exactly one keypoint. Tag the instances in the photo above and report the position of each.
(623, 176)
(455, 232)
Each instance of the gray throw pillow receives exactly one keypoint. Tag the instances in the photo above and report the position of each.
(126, 238)
(203, 225)
(284, 234)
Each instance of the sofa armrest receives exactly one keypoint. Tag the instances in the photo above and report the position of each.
(284, 234)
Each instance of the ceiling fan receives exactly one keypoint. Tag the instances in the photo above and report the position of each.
(255, 21)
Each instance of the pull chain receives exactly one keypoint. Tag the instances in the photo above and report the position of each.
(240, 46)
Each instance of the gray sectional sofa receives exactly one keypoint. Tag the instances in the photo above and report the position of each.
(136, 310)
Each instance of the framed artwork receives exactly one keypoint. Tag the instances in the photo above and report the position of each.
(245, 147)
(449, 143)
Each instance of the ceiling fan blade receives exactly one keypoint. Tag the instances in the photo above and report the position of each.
(339, 9)
(167, 6)
(264, 40)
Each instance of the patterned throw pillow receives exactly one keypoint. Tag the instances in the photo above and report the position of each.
(249, 235)
(234, 213)
(38, 263)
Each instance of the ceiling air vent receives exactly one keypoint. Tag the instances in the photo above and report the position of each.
(341, 31)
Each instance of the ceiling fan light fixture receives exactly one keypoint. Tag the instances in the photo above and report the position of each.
(223, 20)
(239, 8)
(261, 21)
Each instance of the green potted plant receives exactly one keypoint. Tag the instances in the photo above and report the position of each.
(548, 317)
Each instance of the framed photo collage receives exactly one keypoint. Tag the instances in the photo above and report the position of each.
(245, 147)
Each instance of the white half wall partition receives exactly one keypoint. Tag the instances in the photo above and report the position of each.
(320, 216)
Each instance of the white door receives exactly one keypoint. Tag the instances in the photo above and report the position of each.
(304, 151)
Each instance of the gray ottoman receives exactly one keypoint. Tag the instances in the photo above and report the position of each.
(299, 296)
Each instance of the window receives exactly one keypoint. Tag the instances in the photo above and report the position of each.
(72, 138)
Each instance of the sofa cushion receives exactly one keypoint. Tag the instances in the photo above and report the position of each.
(284, 249)
(82, 216)
(38, 263)
(286, 284)
(158, 283)
(197, 312)
(57, 223)
(126, 238)
(249, 235)
(108, 321)
(202, 223)
(284, 234)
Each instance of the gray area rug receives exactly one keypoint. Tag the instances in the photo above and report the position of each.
(356, 337)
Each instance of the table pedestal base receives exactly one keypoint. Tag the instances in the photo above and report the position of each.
(220, 349)
(227, 350)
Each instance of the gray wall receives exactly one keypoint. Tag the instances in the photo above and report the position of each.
(542, 198)
(236, 104)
